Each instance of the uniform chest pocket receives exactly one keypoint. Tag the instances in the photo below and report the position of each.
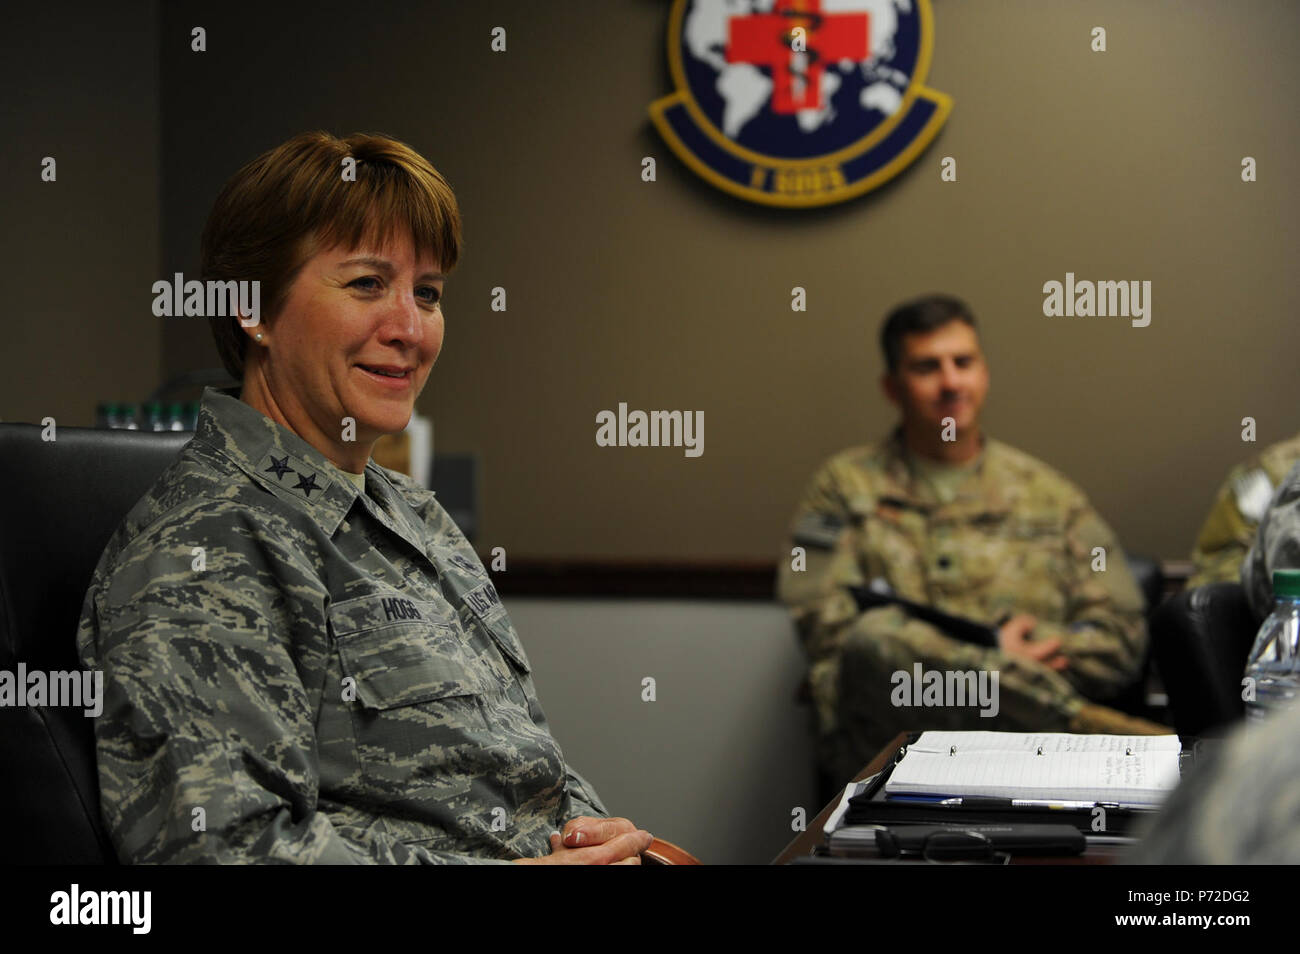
(482, 607)
(402, 652)
(1039, 540)
(418, 706)
(1035, 563)
(507, 641)
(403, 664)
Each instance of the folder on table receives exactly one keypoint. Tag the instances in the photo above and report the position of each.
(1001, 777)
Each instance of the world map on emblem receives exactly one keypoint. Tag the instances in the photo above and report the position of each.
(799, 102)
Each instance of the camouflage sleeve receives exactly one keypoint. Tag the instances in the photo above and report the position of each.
(1276, 546)
(581, 799)
(1104, 634)
(206, 743)
(580, 796)
(1224, 538)
(818, 563)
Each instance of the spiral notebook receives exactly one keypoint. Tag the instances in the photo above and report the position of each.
(1134, 770)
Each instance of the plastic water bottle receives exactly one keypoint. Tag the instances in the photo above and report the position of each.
(1274, 663)
(154, 419)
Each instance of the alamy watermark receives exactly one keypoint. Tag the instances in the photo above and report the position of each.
(651, 429)
(951, 688)
(75, 906)
(79, 689)
(1085, 298)
(211, 299)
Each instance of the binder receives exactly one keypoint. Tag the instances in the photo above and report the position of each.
(872, 808)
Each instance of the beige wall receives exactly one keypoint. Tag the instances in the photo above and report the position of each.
(79, 254)
(1116, 165)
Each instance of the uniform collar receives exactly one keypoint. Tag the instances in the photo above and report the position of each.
(902, 483)
(278, 459)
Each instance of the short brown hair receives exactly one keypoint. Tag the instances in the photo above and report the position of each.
(918, 316)
(292, 201)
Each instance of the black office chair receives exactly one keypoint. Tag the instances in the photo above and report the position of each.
(59, 503)
(1200, 640)
(1135, 698)
(1149, 577)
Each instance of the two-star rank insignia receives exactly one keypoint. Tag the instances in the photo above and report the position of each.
(309, 477)
(306, 484)
(279, 467)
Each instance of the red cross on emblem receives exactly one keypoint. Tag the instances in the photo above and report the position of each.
(767, 39)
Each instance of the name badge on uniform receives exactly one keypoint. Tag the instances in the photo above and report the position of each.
(377, 610)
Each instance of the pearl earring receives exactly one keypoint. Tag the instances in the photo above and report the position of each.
(258, 336)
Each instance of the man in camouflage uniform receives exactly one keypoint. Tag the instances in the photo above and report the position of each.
(1229, 529)
(1276, 546)
(303, 667)
(945, 517)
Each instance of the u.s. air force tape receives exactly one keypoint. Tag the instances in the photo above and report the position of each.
(819, 530)
(484, 602)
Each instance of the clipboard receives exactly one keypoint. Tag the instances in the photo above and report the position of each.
(871, 807)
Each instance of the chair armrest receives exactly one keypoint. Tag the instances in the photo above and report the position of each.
(663, 852)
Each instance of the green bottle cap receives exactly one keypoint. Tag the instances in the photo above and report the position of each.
(1286, 583)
